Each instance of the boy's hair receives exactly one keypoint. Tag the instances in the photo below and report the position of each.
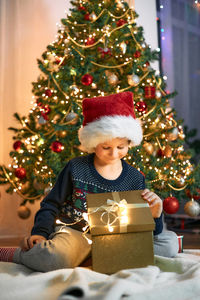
(109, 117)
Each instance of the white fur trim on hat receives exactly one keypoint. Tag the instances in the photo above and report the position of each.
(107, 128)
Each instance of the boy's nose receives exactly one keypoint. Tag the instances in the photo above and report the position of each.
(114, 153)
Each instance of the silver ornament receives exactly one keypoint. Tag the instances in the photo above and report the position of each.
(71, 118)
(41, 120)
(133, 79)
(93, 16)
(192, 208)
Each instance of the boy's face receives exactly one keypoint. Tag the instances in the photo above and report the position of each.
(111, 151)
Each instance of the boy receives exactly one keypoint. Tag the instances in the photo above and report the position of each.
(109, 129)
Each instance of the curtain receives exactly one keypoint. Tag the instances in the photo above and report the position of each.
(26, 28)
(180, 21)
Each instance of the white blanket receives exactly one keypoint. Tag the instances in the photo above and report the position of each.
(170, 279)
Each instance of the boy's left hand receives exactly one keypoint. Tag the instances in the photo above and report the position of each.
(155, 203)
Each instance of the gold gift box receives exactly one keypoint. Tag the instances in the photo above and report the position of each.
(130, 243)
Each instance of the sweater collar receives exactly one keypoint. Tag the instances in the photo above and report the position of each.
(104, 180)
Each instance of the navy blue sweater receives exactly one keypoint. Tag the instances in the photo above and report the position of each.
(67, 199)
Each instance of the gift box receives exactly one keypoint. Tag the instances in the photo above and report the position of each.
(149, 92)
(121, 227)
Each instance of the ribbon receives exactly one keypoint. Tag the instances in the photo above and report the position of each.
(115, 210)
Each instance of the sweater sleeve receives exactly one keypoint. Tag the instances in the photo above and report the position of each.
(50, 205)
(159, 225)
(158, 221)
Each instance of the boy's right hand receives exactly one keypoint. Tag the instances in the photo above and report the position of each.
(28, 242)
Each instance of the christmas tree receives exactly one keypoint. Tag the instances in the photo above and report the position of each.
(99, 50)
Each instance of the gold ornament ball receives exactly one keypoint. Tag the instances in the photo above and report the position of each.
(38, 185)
(120, 5)
(23, 212)
(148, 147)
(168, 151)
(107, 3)
(113, 79)
(93, 16)
(192, 208)
(56, 118)
(62, 133)
(173, 135)
(133, 80)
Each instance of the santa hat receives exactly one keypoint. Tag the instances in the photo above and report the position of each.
(109, 117)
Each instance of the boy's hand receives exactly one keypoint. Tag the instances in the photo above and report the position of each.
(28, 242)
(155, 203)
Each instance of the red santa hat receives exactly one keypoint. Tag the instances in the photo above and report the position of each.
(109, 117)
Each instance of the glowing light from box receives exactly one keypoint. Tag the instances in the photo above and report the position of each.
(85, 217)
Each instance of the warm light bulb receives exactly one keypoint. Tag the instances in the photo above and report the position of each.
(110, 228)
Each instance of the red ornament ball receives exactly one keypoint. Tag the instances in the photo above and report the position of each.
(87, 79)
(20, 173)
(87, 17)
(81, 8)
(57, 60)
(17, 145)
(121, 22)
(171, 205)
(160, 153)
(194, 196)
(46, 109)
(56, 146)
(141, 106)
(38, 102)
(48, 93)
(137, 54)
(90, 41)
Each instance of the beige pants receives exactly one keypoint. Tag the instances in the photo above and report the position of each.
(67, 248)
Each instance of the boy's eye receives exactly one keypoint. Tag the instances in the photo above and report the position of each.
(106, 148)
(120, 147)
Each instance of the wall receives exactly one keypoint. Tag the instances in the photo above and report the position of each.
(26, 27)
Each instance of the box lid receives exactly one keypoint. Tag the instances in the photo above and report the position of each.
(105, 213)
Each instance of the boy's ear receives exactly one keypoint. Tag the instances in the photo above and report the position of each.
(130, 144)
